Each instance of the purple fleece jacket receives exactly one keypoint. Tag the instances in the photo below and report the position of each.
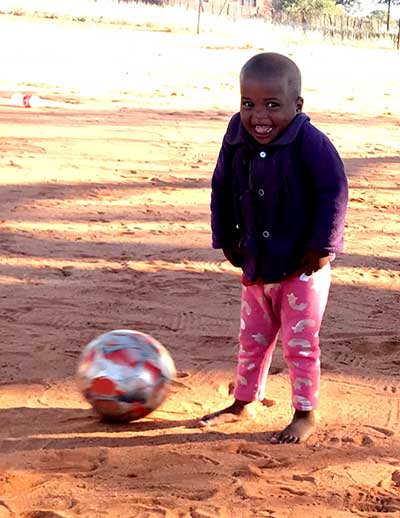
(278, 201)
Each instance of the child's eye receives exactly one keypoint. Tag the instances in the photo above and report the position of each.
(247, 104)
(272, 104)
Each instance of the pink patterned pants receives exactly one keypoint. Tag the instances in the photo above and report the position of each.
(295, 307)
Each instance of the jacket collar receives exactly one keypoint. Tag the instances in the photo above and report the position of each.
(237, 135)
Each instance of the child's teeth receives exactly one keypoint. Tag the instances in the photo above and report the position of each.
(264, 130)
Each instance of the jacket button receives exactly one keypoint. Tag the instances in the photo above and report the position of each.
(263, 154)
(265, 233)
(261, 192)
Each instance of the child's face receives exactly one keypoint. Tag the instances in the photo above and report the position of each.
(267, 107)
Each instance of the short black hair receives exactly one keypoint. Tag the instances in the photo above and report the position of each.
(271, 64)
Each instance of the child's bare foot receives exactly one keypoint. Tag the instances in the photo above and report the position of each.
(239, 410)
(299, 430)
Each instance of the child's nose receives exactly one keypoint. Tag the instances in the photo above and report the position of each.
(261, 114)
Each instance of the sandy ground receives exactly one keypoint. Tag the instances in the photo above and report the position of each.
(104, 221)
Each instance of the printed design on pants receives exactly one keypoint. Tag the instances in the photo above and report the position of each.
(299, 342)
(242, 380)
(246, 364)
(301, 324)
(269, 287)
(303, 402)
(301, 381)
(292, 299)
(246, 307)
(260, 338)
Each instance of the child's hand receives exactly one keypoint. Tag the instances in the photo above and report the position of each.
(234, 255)
(314, 261)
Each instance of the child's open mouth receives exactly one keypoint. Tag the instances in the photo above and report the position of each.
(262, 130)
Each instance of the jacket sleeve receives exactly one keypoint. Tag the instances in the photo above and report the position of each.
(225, 233)
(329, 192)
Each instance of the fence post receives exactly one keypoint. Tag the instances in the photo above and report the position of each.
(200, 10)
(388, 16)
(222, 8)
(398, 37)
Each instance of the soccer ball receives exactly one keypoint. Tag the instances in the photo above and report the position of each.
(124, 374)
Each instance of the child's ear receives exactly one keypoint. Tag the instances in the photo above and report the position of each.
(299, 104)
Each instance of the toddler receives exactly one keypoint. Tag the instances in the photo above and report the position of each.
(278, 204)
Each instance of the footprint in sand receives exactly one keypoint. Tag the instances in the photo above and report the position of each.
(390, 388)
(374, 503)
(70, 461)
(5, 511)
(384, 431)
(182, 374)
(391, 482)
(180, 384)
